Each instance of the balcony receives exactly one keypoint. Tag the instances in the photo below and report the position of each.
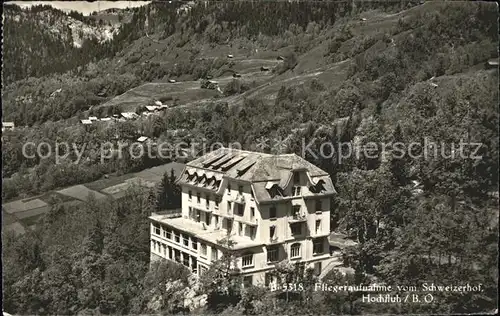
(319, 234)
(251, 222)
(297, 218)
(228, 214)
(198, 211)
(239, 198)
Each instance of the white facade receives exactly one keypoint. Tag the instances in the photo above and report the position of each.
(293, 226)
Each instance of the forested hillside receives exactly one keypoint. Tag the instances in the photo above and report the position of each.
(354, 72)
(105, 67)
(41, 40)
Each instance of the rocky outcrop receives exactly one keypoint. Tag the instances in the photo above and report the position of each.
(178, 295)
(192, 299)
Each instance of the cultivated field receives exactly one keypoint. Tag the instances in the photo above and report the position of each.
(19, 216)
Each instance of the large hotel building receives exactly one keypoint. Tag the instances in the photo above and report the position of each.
(270, 207)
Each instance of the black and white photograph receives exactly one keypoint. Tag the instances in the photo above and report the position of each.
(250, 157)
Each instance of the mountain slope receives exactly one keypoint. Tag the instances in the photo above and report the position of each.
(185, 31)
(350, 69)
(42, 40)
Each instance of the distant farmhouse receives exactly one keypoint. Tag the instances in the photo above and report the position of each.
(129, 115)
(492, 63)
(8, 126)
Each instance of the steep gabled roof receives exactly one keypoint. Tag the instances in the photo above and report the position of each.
(260, 169)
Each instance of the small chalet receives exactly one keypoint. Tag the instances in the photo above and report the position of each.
(8, 126)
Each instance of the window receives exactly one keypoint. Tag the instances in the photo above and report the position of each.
(295, 251)
(198, 197)
(272, 232)
(250, 232)
(185, 240)
(317, 268)
(190, 194)
(202, 270)
(207, 198)
(275, 191)
(214, 254)
(272, 212)
(296, 191)
(272, 254)
(296, 211)
(318, 246)
(318, 226)
(319, 206)
(251, 193)
(229, 208)
(168, 233)
(240, 189)
(228, 224)
(228, 189)
(194, 243)
(252, 212)
(247, 281)
(296, 178)
(177, 255)
(177, 236)
(216, 221)
(203, 250)
(268, 278)
(207, 219)
(247, 260)
(241, 209)
(156, 229)
(296, 228)
(217, 199)
(240, 229)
